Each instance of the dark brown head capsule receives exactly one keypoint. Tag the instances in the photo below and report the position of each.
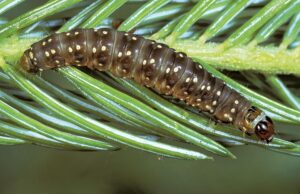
(260, 124)
(264, 129)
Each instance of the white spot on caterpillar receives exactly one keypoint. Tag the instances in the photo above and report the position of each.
(218, 93)
(53, 51)
(211, 110)
(105, 32)
(144, 62)
(47, 54)
(236, 102)
(208, 88)
(168, 70)
(68, 34)
(124, 70)
(100, 64)
(232, 110)
(188, 80)
(159, 46)
(126, 34)
(78, 47)
(120, 54)
(176, 69)
(49, 40)
(230, 119)
(128, 53)
(31, 55)
(208, 107)
(203, 87)
(185, 93)
(70, 49)
(94, 50)
(168, 87)
(57, 61)
(198, 100)
(103, 48)
(76, 33)
(195, 80)
(181, 55)
(214, 103)
(152, 61)
(134, 38)
(44, 43)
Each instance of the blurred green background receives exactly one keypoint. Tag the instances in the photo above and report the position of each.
(33, 169)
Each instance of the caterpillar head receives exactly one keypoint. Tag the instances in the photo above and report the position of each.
(264, 129)
(27, 64)
(260, 124)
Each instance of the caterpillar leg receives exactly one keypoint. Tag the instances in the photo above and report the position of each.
(213, 122)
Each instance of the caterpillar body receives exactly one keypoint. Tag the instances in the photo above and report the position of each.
(152, 64)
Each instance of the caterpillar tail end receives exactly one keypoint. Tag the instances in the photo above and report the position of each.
(27, 65)
(24, 62)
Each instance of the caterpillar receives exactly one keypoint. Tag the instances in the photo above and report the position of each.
(153, 65)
